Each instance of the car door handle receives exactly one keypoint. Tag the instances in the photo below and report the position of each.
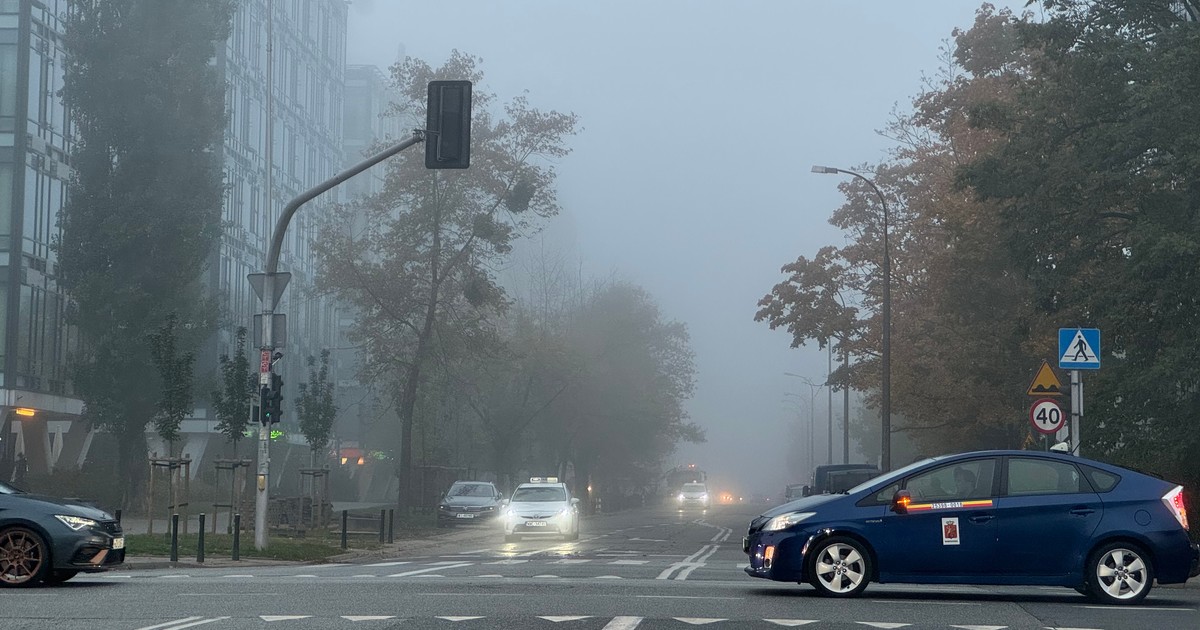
(981, 518)
(1082, 511)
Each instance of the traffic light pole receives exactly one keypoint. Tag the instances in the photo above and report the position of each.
(270, 299)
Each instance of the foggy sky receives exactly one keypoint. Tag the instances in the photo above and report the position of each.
(701, 120)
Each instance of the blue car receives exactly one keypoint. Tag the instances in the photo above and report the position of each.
(989, 517)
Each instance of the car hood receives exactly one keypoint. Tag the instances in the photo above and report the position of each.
(66, 507)
(469, 501)
(693, 495)
(801, 505)
(538, 507)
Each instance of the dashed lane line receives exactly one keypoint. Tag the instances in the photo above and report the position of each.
(683, 575)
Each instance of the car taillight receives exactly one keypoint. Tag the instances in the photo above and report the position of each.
(1174, 501)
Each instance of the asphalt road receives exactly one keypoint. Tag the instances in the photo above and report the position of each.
(650, 568)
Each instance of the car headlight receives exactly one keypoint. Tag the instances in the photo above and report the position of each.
(443, 507)
(680, 496)
(784, 521)
(76, 522)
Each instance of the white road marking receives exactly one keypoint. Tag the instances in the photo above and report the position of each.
(623, 623)
(883, 624)
(367, 617)
(683, 575)
(305, 575)
(791, 623)
(980, 627)
(169, 623)
(389, 564)
(283, 617)
(609, 577)
(363, 575)
(509, 561)
(629, 562)
(201, 622)
(491, 575)
(114, 577)
(545, 576)
(698, 621)
(560, 619)
(173, 576)
(571, 561)
(459, 618)
(431, 569)
(666, 573)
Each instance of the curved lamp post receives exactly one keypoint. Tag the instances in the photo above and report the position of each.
(886, 385)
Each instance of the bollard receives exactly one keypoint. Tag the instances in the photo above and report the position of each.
(174, 538)
(237, 537)
(382, 523)
(118, 516)
(345, 515)
(391, 526)
(200, 540)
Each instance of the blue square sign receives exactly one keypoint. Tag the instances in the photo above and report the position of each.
(1079, 348)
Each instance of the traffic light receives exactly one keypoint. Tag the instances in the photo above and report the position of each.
(448, 123)
(264, 405)
(276, 399)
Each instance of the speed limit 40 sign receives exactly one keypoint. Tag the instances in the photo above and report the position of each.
(1046, 416)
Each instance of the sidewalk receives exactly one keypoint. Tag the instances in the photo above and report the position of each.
(164, 562)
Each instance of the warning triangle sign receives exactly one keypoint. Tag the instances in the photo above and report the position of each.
(1045, 383)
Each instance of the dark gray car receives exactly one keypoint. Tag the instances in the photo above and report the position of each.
(49, 540)
(469, 502)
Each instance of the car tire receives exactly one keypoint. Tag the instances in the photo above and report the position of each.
(30, 557)
(1119, 573)
(574, 534)
(839, 567)
(58, 577)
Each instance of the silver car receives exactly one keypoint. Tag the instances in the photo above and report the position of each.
(542, 507)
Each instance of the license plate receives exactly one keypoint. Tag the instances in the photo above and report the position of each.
(119, 542)
(535, 523)
(466, 516)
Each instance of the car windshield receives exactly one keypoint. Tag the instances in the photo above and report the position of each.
(539, 495)
(7, 489)
(892, 476)
(472, 490)
(694, 487)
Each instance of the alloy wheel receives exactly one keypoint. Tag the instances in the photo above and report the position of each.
(22, 557)
(840, 568)
(1121, 574)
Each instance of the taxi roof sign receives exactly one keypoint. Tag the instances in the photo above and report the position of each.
(543, 480)
(1046, 383)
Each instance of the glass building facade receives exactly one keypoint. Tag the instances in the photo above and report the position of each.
(35, 142)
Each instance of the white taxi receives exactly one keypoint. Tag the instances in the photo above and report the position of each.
(542, 507)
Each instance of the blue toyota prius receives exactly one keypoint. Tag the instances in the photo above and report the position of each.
(989, 517)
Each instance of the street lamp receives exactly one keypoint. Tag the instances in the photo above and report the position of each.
(886, 411)
(813, 388)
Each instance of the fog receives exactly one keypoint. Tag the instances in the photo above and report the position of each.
(691, 175)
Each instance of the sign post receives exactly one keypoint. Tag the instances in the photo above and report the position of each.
(1078, 349)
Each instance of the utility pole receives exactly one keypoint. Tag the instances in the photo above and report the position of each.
(449, 123)
(266, 358)
(846, 409)
(829, 392)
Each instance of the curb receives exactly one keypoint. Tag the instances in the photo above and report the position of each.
(216, 563)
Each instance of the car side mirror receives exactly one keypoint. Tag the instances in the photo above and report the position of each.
(503, 501)
(806, 491)
(574, 501)
(900, 501)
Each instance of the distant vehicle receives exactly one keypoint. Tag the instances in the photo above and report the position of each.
(989, 517)
(44, 540)
(694, 495)
(542, 506)
(794, 491)
(836, 478)
(468, 502)
(680, 475)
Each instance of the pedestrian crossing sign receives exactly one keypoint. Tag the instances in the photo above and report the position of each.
(1079, 348)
